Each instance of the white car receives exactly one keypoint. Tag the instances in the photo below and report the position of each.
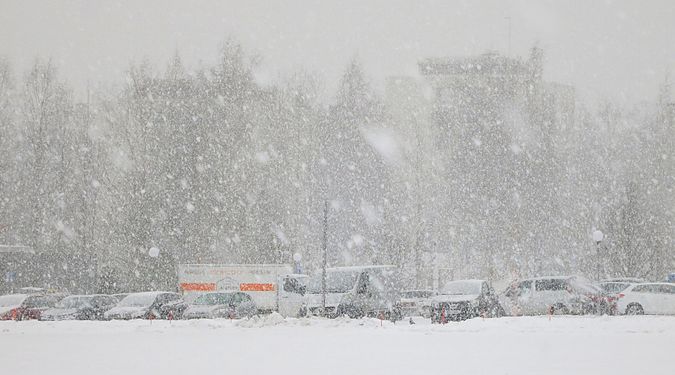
(212, 305)
(647, 298)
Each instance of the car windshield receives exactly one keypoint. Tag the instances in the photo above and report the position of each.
(214, 299)
(462, 288)
(12, 300)
(74, 302)
(138, 300)
(417, 294)
(336, 282)
(614, 287)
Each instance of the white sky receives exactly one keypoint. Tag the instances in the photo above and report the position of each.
(620, 49)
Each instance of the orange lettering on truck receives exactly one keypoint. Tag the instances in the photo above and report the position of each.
(255, 287)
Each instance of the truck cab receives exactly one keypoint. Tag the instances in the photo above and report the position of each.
(356, 292)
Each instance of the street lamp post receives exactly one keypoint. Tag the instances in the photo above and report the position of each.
(598, 237)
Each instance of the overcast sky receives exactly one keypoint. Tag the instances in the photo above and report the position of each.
(620, 49)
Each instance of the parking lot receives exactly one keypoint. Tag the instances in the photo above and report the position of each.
(273, 345)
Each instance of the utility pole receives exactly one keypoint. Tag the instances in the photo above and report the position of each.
(325, 257)
(598, 236)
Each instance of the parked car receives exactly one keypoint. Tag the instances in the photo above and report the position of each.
(80, 307)
(417, 302)
(465, 299)
(221, 305)
(647, 298)
(26, 306)
(148, 305)
(556, 295)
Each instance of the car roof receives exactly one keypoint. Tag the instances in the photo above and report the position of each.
(636, 284)
(467, 280)
(222, 292)
(87, 295)
(548, 278)
(623, 280)
(417, 290)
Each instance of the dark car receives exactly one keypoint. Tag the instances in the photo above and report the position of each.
(465, 299)
(221, 305)
(80, 307)
(148, 305)
(26, 306)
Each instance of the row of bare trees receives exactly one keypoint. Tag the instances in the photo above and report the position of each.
(211, 166)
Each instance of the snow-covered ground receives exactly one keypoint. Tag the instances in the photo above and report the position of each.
(273, 345)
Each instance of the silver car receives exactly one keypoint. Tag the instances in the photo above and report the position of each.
(556, 295)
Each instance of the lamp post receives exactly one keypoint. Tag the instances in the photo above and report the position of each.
(598, 237)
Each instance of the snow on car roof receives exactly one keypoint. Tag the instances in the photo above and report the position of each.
(550, 278)
(417, 290)
(623, 280)
(466, 281)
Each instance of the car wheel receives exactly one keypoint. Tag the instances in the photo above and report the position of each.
(635, 309)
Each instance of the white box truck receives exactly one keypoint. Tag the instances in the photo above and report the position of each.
(273, 287)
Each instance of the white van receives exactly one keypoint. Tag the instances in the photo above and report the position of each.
(339, 281)
(273, 287)
(356, 291)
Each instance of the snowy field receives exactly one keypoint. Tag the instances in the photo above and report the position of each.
(272, 345)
